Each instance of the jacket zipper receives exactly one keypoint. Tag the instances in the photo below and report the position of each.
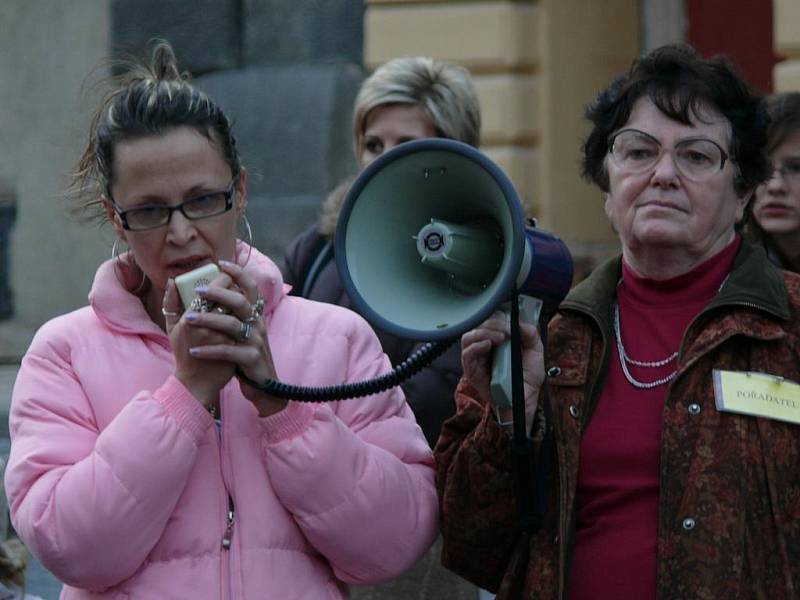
(226, 538)
(230, 514)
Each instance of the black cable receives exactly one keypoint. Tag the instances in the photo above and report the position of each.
(419, 359)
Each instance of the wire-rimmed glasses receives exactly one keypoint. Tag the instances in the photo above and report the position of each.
(697, 159)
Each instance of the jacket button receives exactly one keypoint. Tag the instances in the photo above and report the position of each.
(694, 409)
(574, 411)
(688, 523)
(554, 371)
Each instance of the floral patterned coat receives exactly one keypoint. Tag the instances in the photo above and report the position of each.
(729, 507)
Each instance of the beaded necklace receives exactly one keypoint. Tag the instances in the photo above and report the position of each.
(624, 359)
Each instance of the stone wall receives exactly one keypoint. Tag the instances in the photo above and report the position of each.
(47, 53)
(787, 44)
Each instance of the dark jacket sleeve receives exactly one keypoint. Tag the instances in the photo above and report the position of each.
(431, 392)
(479, 521)
(298, 256)
(293, 261)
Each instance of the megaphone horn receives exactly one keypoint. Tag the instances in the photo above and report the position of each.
(431, 240)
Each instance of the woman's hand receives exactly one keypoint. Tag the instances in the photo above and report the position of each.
(203, 378)
(476, 357)
(236, 319)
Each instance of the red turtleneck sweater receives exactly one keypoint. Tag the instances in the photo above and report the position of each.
(616, 528)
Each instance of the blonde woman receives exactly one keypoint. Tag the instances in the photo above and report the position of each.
(404, 99)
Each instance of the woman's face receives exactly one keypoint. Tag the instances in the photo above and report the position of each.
(167, 170)
(392, 124)
(777, 203)
(660, 209)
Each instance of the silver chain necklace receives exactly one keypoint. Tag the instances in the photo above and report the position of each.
(624, 359)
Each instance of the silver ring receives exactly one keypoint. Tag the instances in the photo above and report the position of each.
(168, 313)
(244, 331)
(256, 310)
(221, 310)
(199, 305)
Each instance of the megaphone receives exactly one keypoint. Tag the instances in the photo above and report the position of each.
(431, 240)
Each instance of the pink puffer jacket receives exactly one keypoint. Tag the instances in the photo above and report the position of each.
(119, 482)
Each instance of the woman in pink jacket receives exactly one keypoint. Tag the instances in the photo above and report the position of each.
(144, 463)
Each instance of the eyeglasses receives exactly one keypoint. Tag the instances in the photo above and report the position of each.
(790, 171)
(697, 159)
(153, 216)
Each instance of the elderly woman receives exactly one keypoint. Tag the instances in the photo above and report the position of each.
(776, 210)
(146, 461)
(405, 99)
(655, 489)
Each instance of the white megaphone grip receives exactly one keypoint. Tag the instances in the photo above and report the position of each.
(529, 310)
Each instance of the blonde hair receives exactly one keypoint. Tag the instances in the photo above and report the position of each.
(444, 90)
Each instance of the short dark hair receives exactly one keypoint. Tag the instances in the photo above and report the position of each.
(784, 118)
(147, 99)
(681, 84)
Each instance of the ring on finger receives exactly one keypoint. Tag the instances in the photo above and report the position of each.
(256, 310)
(199, 305)
(168, 313)
(244, 331)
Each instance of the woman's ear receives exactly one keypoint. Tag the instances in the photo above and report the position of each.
(113, 217)
(241, 192)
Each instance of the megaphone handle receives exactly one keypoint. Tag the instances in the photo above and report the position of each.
(529, 309)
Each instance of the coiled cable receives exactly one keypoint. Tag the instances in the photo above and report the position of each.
(419, 359)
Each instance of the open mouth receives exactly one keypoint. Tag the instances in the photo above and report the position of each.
(188, 264)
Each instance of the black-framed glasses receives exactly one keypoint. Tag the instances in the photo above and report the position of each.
(153, 216)
(697, 159)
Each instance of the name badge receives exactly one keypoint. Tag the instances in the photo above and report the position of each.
(757, 394)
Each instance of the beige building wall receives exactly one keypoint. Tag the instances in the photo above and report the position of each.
(46, 52)
(536, 64)
(787, 43)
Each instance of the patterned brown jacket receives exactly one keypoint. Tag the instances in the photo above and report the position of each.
(729, 505)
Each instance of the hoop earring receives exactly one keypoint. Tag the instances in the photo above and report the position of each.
(115, 257)
(249, 231)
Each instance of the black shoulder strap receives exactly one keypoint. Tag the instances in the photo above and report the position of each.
(323, 253)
